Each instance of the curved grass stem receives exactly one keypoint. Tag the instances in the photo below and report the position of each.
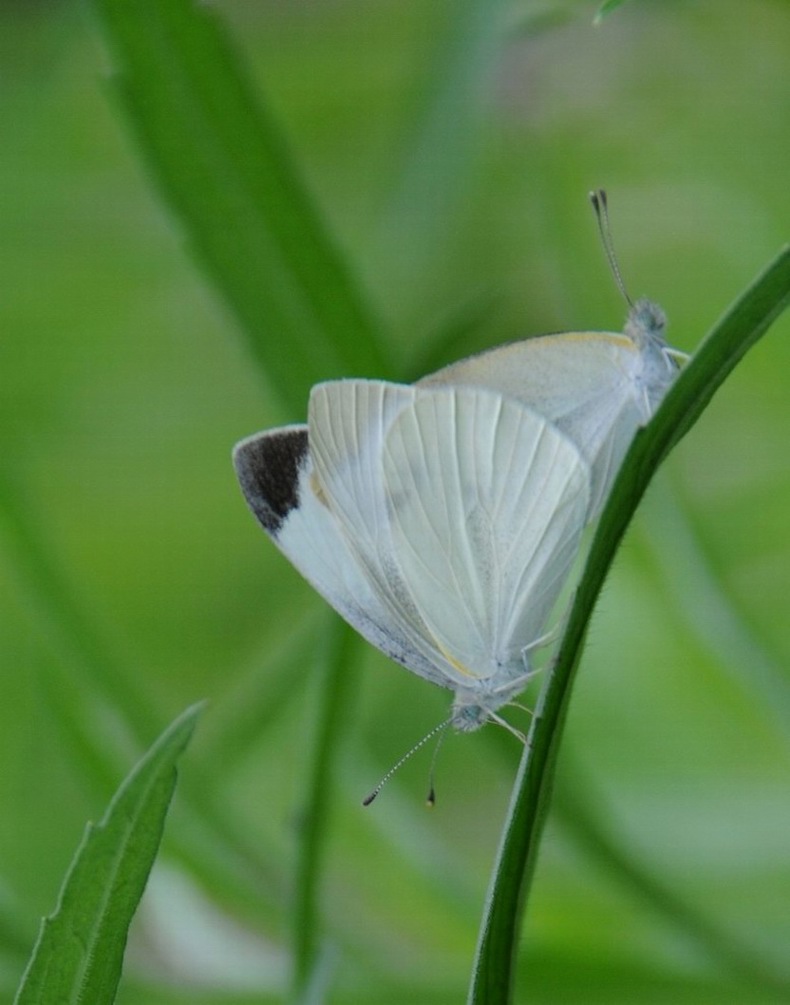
(743, 324)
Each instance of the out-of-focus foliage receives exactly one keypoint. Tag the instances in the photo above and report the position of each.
(448, 149)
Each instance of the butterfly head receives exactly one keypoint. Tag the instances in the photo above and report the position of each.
(473, 707)
(646, 324)
(468, 718)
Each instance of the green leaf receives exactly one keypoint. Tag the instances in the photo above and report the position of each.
(225, 170)
(607, 7)
(79, 952)
(730, 339)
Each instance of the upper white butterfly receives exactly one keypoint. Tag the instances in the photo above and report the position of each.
(597, 387)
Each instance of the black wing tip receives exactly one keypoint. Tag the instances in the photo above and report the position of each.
(268, 466)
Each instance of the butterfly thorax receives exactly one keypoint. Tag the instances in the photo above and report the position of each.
(646, 327)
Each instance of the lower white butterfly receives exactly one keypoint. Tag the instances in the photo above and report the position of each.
(440, 521)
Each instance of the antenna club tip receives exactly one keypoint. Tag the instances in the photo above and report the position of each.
(421, 743)
(598, 198)
(601, 208)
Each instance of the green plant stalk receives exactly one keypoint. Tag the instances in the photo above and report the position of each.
(746, 321)
(585, 818)
(341, 657)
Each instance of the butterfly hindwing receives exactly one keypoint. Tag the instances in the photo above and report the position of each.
(487, 503)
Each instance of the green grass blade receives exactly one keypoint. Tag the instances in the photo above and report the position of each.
(342, 649)
(108, 714)
(259, 693)
(207, 837)
(446, 138)
(79, 953)
(224, 168)
(711, 614)
(59, 613)
(577, 807)
(741, 327)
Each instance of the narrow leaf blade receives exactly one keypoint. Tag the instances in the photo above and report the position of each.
(225, 170)
(79, 953)
(746, 321)
(311, 965)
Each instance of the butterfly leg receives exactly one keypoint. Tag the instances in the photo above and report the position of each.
(677, 355)
(543, 640)
(506, 725)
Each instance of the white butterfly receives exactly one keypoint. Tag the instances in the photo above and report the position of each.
(441, 522)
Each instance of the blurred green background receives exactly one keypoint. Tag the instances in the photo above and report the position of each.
(450, 148)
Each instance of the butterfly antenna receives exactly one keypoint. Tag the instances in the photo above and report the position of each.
(601, 207)
(431, 797)
(420, 743)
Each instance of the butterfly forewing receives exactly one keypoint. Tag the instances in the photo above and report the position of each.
(276, 474)
(348, 422)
